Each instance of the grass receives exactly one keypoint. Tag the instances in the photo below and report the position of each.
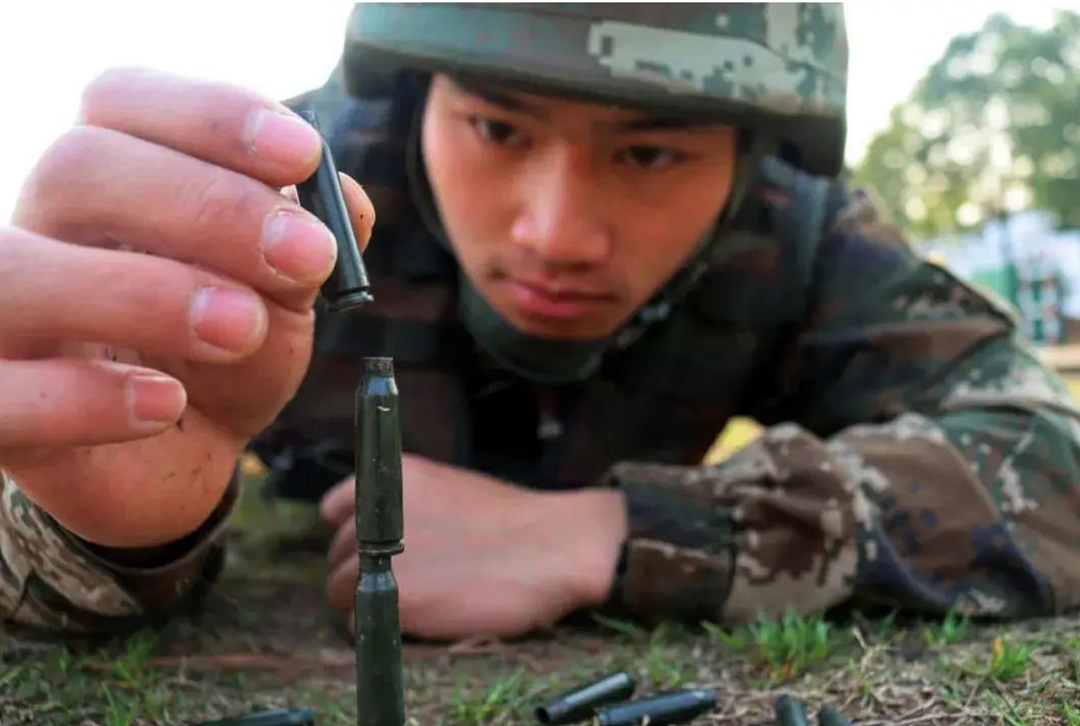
(625, 628)
(785, 647)
(875, 670)
(121, 712)
(661, 667)
(112, 685)
(1070, 714)
(503, 699)
(952, 629)
(1009, 660)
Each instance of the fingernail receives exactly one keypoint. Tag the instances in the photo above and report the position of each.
(155, 399)
(298, 246)
(227, 319)
(286, 138)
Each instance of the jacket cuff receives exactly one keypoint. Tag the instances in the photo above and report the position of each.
(163, 577)
(678, 559)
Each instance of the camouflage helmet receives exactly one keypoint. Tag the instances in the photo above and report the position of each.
(779, 69)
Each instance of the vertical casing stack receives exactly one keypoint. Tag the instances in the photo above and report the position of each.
(379, 534)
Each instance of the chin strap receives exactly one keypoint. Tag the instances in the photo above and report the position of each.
(659, 307)
(549, 362)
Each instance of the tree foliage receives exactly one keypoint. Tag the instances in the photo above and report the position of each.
(993, 127)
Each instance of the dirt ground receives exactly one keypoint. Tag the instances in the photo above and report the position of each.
(266, 639)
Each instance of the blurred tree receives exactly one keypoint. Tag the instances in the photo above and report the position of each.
(993, 128)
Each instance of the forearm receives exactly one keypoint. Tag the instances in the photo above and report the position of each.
(893, 513)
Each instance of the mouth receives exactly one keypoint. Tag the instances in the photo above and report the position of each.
(546, 301)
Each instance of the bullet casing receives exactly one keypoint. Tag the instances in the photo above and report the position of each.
(789, 712)
(379, 689)
(379, 531)
(347, 287)
(829, 716)
(581, 703)
(279, 717)
(379, 519)
(660, 710)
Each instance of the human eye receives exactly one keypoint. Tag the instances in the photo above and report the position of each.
(652, 158)
(496, 132)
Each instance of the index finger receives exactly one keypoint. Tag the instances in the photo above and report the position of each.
(222, 124)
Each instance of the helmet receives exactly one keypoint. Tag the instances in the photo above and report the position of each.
(778, 69)
(776, 72)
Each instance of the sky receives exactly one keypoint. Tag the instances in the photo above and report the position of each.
(49, 51)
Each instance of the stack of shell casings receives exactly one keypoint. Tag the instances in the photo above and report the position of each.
(379, 532)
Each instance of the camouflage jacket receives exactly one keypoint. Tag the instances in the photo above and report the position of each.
(916, 453)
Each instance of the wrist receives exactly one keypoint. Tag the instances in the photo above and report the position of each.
(120, 500)
(600, 515)
(168, 553)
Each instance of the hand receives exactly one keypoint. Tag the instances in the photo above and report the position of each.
(147, 231)
(483, 557)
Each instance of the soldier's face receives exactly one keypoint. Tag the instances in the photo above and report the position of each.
(567, 216)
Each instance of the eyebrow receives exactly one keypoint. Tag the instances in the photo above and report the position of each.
(497, 97)
(510, 102)
(665, 123)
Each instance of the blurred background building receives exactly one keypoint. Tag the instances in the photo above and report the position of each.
(1027, 261)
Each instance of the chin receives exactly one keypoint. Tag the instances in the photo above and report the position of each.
(568, 330)
(591, 323)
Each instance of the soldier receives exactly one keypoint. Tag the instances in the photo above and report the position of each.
(603, 231)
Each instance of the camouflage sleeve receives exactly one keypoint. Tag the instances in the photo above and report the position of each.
(51, 579)
(919, 457)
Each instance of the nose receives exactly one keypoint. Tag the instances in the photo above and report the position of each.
(562, 221)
